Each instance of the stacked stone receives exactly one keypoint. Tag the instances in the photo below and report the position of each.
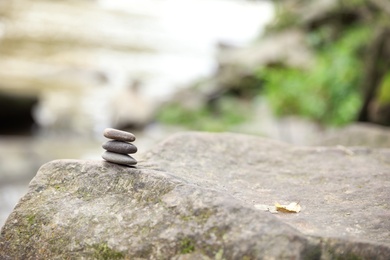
(119, 148)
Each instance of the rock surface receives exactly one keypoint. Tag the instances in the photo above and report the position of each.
(198, 195)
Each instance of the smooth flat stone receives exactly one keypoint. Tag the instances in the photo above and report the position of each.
(119, 147)
(119, 158)
(119, 135)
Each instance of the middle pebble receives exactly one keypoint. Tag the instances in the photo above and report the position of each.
(119, 147)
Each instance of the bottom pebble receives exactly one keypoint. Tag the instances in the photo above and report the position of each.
(119, 158)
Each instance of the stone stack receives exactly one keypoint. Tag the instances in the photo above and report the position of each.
(119, 148)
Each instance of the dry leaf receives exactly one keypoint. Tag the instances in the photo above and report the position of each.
(293, 207)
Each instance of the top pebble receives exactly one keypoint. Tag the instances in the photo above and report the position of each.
(119, 135)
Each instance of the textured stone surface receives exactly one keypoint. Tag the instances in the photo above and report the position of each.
(196, 196)
(119, 147)
(119, 135)
(119, 158)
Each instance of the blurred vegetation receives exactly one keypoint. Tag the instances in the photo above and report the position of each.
(328, 92)
(349, 81)
(221, 116)
(384, 90)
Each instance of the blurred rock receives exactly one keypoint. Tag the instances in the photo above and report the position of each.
(49, 55)
(376, 81)
(66, 63)
(206, 199)
(362, 134)
(380, 113)
(288, 47)
(130, 109)
(238, 67)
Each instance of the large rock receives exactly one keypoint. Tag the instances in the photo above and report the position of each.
(199, 196)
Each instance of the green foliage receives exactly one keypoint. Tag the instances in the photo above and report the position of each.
(384, 90)
(228, 112)
(103, 251)
(31, 219)
(187, 246)
(329, 91)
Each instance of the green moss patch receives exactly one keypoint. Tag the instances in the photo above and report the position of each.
(187, 246)
(104, 252)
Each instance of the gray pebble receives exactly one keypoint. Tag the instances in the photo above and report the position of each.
(119, 135)
(119, 158)
(119, 147)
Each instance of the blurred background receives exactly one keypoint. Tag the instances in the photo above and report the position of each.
(305, 72)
